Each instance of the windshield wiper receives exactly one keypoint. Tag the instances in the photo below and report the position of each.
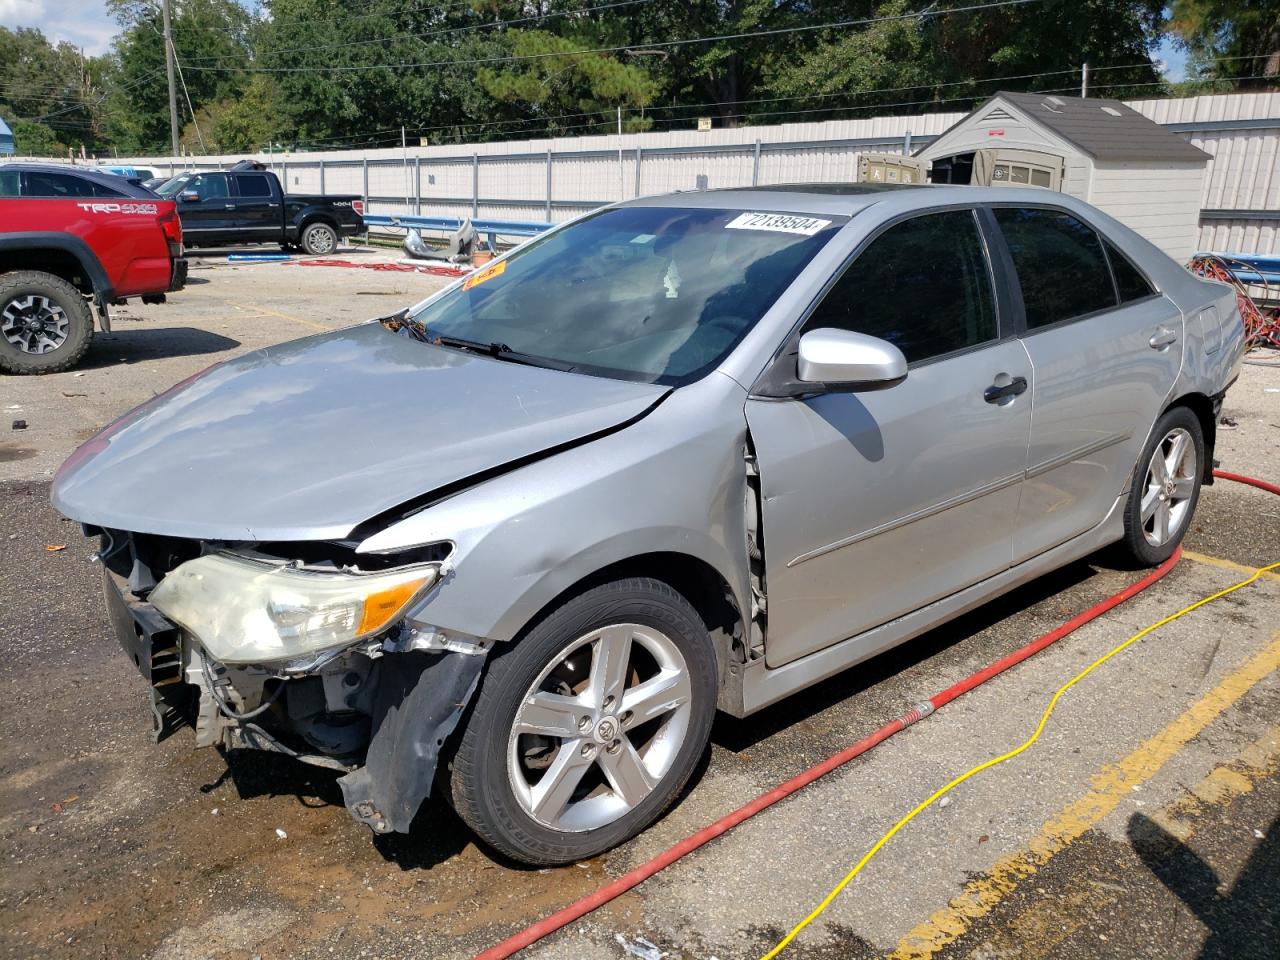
(499, 351)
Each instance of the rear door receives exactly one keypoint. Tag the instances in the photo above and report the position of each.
(207, 219)
(257, 210)
(877, 503)
(1106, 349)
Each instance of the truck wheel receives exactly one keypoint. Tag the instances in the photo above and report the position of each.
(585, 730)
(319, 239)
(45, 323)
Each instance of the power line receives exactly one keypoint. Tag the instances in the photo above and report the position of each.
(661, 44)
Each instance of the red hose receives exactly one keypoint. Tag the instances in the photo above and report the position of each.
(1250, 481)
(563, 917)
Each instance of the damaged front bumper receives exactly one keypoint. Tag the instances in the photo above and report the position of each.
(380, 712)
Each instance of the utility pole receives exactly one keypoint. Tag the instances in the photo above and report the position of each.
(1084, 82)
(168, 69)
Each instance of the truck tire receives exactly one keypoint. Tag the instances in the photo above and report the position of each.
(319, 238)
(45, 323)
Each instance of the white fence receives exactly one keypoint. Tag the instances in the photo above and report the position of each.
(552, 180)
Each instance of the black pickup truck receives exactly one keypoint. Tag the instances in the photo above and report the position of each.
(246, 205)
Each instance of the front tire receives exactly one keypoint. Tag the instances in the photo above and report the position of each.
(45, 323)
(1165, 488)
(585, 730)
(319, 239)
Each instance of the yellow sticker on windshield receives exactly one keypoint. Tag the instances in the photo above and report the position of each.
(482, 276)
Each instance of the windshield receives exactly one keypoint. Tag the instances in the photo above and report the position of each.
(171, 186)
(639, 293)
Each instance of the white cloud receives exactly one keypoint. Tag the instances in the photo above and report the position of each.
(84, 23)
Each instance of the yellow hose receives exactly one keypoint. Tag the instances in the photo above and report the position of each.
(1044, 719)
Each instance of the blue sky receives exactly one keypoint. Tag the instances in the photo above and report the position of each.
(87, 24)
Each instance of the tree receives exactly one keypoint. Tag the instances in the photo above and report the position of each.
(55, 86)
(212, 44)
(1230, 39)
(32, 139)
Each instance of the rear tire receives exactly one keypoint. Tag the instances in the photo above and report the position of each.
(45, 323)
(319, 239)
(551, 766)
(1165, 488)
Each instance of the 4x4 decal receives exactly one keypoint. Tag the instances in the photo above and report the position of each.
(144, 208)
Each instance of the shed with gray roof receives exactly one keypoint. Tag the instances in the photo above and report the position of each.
(1099, 150)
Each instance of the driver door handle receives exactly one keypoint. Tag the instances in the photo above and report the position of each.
(998, 393)
(229, 206)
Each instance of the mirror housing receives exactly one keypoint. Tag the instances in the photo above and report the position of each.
(189, 196)
(844, 360)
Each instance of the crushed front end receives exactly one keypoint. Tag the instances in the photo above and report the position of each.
(304, 649)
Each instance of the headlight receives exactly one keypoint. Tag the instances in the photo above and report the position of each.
(248, 611)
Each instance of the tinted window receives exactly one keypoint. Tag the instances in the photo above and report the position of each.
(923, 285)
(207, 185)
(1060, 264)
(658, 294)
(1131, 284)
(253, 185)
(8, 183)
(43, 184)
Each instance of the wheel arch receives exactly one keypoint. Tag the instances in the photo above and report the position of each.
(1206, 411)
(695, 579)
(60, 255)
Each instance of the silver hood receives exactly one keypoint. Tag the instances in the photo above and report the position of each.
(305, 440)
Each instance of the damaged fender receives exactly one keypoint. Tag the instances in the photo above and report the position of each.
(419, 700)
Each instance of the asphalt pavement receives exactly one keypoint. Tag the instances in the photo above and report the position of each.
(1144, 823)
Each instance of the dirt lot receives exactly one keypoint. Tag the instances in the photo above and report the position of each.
(1144, 823)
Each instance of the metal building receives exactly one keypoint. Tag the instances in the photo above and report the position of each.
(1098, 150)
(7, 147)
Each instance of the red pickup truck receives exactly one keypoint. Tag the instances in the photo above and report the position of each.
(74, 241)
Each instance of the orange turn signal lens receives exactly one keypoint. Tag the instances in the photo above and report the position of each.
(381, 608)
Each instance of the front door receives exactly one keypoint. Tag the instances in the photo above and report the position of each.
(1106, 349)
(877, 503)
(206, 219)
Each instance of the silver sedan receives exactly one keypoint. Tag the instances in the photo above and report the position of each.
(687, 453)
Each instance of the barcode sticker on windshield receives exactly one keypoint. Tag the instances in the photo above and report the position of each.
(778, 223)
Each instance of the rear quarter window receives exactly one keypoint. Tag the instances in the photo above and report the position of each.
(1130, 283)
(8, 183)
(40, 183)
(1060, 263)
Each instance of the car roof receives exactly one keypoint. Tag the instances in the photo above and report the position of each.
(847, 199)
(110, 180)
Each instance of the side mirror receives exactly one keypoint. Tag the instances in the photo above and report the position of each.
(189, 196)
(842, 359)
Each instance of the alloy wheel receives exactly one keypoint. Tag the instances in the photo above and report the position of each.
(1170, 485)
(34, 324)
(599, 728)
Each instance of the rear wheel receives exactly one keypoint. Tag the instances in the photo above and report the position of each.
(45, 323)
(319, 239)
(585, 730)
(1165, 487)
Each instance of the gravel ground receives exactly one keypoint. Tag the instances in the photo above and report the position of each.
(115, 847)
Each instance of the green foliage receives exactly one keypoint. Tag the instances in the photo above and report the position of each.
(320, 74)
(53, 85)
(36, 140)
(1230, 39)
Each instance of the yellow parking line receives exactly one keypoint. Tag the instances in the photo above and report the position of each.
(1225, 564)
(254, 308)
(1111, 785)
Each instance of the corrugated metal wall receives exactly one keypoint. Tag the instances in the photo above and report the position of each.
(560, 178)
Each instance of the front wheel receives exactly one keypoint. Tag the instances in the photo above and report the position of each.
(319, 239)
(585, 730)
(45, 323)
(1165, 488)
